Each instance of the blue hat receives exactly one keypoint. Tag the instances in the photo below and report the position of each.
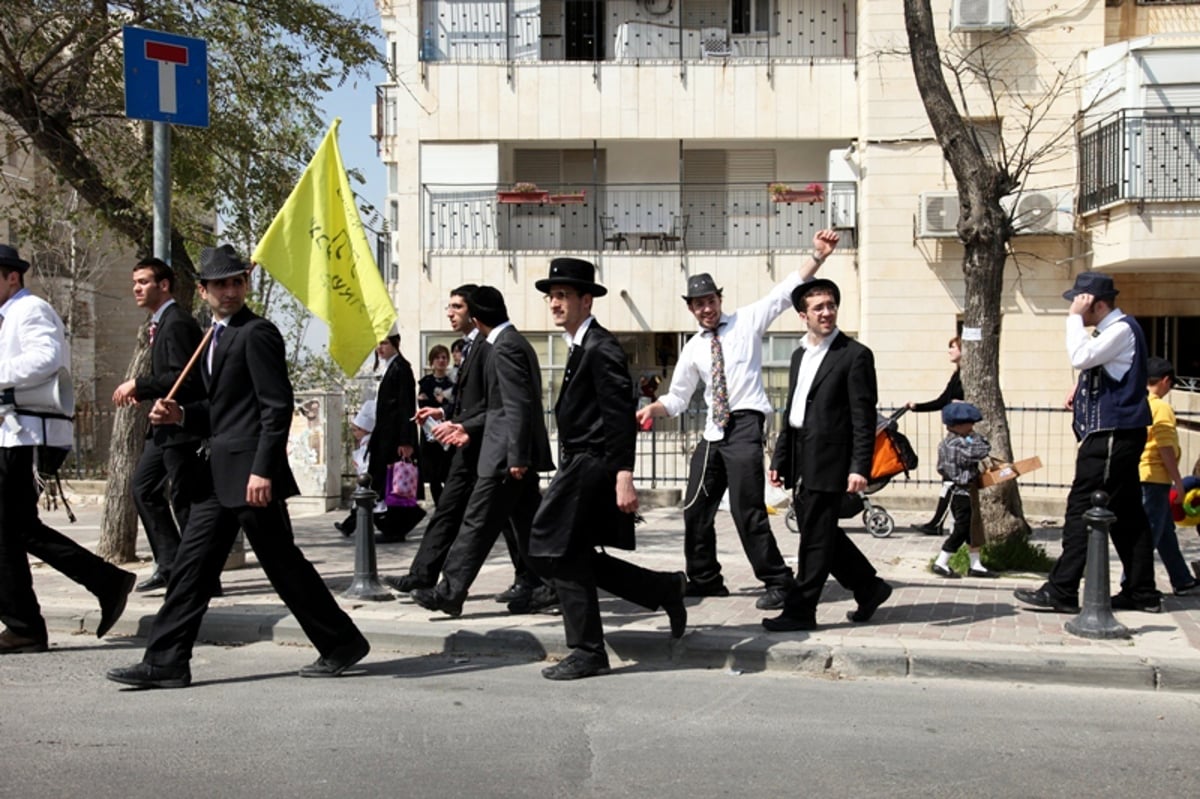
(960, 413)
(1097, 284)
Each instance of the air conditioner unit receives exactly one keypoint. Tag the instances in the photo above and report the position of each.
(979, 15)
(938, 215)
(1041, 213)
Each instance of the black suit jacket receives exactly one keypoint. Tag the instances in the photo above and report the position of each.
(838, 436)
(395, 406)
(471, 392)
(248, 410)
(515, 424)
(175, 339)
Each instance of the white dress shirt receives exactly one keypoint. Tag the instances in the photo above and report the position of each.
(1113, 345)
(495, 331)
(33, 347)
(741, 343)
(814, 354)
(577, 339)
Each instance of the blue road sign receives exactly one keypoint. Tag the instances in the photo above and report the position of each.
(166, 77)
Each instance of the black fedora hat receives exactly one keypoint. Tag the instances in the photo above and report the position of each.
(221, 262)
(701, 285)
(9, 258)
(1097, 284)
(574, 272)
(820, 284)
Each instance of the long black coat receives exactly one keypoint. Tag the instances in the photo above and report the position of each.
(597, 434)
(175, 339)
(514, 431)
(838, 436)
(248, 410)
(395, 406)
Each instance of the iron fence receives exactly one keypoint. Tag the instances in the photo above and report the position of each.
(1140, 155)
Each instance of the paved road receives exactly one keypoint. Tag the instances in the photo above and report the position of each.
(439, 726)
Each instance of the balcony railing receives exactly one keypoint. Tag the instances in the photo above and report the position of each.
(653, 218)
(1138, 155)
(625, 30)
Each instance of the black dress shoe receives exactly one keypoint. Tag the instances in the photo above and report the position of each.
(337, 661)
(575, 667)
(944, 571)
(541, 598)
(146, 675)
(152, 583)
(346, 527)
(432, 599)
(772, 599)
(112, 605)
(866, 608)
(514, 592)
(406, 583)
(1123, 601)
(13, 644)
(784, 623)
(982, 573)
(1042, 598)
(697, 589)
(928, 528)
(673, 604)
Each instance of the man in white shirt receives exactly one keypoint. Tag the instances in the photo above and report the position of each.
(33, 349)
(725, 356)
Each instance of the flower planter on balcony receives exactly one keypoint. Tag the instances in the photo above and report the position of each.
(809, 197)
(522, 196)
(568, 199)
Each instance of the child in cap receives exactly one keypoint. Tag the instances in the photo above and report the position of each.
(959, 455)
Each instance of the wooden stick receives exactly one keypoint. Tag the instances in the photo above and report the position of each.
(190, 364)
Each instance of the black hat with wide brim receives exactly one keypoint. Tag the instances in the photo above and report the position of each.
(574, 272)
(820, 284)
(9, 258)
(217, 263)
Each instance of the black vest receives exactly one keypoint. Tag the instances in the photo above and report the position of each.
(1102, 403)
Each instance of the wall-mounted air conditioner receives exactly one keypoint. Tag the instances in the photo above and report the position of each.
(1041, 213)
(937, 217)
(979, 15)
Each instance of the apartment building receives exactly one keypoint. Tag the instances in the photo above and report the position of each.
(662, 138)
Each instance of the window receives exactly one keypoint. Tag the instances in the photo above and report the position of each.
(750, 16)
(1176, 338)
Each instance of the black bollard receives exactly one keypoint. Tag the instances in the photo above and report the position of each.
(366, 583)
(1096, 619)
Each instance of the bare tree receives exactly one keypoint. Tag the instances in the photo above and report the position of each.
(989, 72)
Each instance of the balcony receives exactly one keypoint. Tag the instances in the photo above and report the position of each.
(1140, 188)
(647, 219)
(635, 30)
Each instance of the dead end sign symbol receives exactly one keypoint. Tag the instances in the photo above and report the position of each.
(168, 57)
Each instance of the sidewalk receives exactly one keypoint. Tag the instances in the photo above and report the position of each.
(931, 627)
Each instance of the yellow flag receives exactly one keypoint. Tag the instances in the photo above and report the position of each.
(317, 248)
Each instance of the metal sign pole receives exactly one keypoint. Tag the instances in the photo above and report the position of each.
(162, 191)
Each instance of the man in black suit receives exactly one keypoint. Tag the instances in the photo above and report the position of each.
(827, 445)
(395, 435)
(591, 501)
(170, 459)
(470, 409)
(247, 413)
(515, 447)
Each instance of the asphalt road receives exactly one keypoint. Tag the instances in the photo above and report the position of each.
(431, 726)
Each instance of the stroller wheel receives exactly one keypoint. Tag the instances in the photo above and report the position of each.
(879, 523)
(791, 521)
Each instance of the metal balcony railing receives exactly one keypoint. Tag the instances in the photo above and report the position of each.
(655, 218)
(581, 30)
(1140, 155)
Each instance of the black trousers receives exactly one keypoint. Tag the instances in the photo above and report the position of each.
(22, 534)
(579, 573)
(202, 552)
(166, 481)
(825, 549)
(497, 505)
(735, 463)
(960, 509)
(434, 463)
(1107, 462)
(447, 517)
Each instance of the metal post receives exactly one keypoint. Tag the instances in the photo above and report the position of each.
(365, 584)
(1096, 620)
(162, 191)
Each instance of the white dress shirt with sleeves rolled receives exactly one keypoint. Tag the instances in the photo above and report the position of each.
(1112, 345)
(741, 342)
(33, 347)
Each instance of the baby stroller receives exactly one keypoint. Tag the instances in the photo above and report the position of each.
(893, 455)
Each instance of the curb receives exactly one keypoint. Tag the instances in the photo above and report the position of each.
(736, 653)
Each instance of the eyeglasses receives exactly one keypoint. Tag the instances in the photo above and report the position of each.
(560, 295)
